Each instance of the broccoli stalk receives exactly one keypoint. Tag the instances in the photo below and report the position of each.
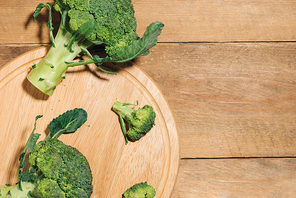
(50, 71)
(138, 121)
(15, 192)
(56, 169)
(84, 24)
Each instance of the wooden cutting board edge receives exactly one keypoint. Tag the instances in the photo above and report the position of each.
(163, 105)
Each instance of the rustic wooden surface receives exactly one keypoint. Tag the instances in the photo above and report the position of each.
(227, 69)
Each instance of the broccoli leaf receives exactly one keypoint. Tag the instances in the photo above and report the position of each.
(49, 23)
(28, 148)
(33, 137)
(138, 48)
(37, 11)
(83, 31)
(67, 122)
(141, 46)
(87, 28)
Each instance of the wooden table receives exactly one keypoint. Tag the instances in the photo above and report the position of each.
(228, 71)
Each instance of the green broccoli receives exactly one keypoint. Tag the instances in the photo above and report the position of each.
(140, 190)
(139, 122)
(109, 24)
(56, 170)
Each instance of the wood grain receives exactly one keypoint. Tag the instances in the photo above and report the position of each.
(216, 21)
(10, 52)
(236, 178)
(185, 20)
(115, 166)
(230, 100)
(232, 95)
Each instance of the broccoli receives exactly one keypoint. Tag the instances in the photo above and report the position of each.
(140, 190)
(107, 24)
(56, 170)
(139, 122)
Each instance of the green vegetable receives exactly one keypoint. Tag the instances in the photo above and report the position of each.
(139, 121)
(140, 190)
(56, 170)
(110, 24)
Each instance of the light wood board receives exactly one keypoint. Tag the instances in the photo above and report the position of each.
(185, 20)
(229, 100)
(115, 166)
(236, 178)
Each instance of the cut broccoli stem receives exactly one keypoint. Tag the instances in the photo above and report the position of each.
(123, 111)
(15, 192)
(50, 71)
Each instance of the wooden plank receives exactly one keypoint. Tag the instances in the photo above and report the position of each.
(212, 20)
(16, 20)
(9, 52)
(229, 100)
(185, 20)
(239, 178)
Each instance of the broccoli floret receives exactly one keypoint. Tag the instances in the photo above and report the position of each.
(63, 166)
(56, 170)
(140, 190)
(48, 188)
(110, 24)
(139, 121)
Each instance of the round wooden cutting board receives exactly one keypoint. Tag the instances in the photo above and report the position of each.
(115, 166)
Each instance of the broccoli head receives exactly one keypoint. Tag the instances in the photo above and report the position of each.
(64, 169)
(140, 190)
(56, 170)
(139, 121)
(113, 21)
(109, 24)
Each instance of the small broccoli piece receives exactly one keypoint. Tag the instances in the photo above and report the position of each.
(56, 170)
(109, 24)
(139, 121)
(140, 190)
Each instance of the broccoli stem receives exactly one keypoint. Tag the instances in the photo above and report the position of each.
(123, 111)
(50, 71)
(123, 129)
(15, 192)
